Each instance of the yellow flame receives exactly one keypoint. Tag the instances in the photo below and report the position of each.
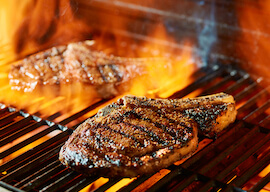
(169, 71)
(253, 42)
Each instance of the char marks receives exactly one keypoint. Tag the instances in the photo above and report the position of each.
(77, 62)
(136, 136)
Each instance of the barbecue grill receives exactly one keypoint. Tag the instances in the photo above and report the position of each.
(238, 160)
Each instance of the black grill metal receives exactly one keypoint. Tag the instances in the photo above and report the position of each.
(229, 163)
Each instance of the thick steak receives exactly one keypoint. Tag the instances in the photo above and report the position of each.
(76, 62)
(138, 135)
(130, 141)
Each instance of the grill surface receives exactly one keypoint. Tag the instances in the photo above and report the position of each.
(230, 163)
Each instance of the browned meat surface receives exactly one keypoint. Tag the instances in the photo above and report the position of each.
(137, 135)
(126, 141)
(213, 113)
(78, 62)
(41, 68)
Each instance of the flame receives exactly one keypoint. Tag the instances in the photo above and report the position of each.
(254, 47)
(168, 71)
(50, 23)
(253, 44)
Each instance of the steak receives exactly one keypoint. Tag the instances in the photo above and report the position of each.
(137, 135)
(76, 62)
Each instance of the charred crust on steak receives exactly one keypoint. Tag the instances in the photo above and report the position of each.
(137, 136)
(125, 142)
(213, 113)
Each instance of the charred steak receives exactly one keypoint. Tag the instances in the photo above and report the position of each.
(122, 141)
(76, 62)
(213, 113)
(137, 135)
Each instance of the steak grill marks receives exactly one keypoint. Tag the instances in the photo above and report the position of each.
(163, 122)
(141, 130)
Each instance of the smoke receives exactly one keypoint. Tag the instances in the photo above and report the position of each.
(207, 33)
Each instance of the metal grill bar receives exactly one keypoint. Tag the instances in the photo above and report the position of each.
(265, 121)
(63, 179)
(228, 150)
(40, 176)
(83, 112)
(27, 156)
(257, 111)
(243, 157)
(107, 185)
(255, 168)
(22, 131)
(27, 141)
(31, 163)
(253, 100)
(238, 84)
(78, 183)
(9, 187)
(258, 186)
(14, 125)
(217, 86)
(138, 181)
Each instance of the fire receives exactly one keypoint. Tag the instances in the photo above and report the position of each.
(168, 68)
(168, 71)
(255, 32)
(253, 44)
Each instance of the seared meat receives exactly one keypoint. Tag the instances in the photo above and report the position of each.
(213, 113)
(126, 141)
(137, 135)
(41, 68)
(76, 62)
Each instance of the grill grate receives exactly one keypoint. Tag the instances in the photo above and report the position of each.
(229, 163)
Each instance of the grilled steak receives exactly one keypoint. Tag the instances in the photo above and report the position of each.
(137, 135)
(76, 62)
(126, 141)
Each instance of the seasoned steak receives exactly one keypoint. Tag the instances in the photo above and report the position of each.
(76, 62)
(138, 135)
(126, 141)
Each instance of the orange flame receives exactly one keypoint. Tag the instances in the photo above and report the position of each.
(253, 44)
(256, 33)
(168, 69)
